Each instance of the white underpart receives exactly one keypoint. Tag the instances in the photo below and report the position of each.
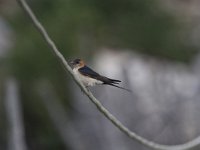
(87, 81)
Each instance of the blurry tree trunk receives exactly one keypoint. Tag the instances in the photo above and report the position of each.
(16, 140)
(59, 117)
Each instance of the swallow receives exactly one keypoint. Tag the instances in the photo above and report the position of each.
(89, 77)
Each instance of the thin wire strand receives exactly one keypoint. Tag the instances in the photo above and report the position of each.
(191, 144)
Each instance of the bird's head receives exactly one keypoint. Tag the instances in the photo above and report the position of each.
(77, 63)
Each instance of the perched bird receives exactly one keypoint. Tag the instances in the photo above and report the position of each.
(89, 77)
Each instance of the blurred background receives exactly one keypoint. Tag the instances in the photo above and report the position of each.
(152, 46)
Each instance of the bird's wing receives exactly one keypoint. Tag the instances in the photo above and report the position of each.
(86, 71)
(92, 74)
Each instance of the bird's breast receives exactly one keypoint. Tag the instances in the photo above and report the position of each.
(86, 80)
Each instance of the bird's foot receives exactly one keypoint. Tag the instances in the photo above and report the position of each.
(86, 89)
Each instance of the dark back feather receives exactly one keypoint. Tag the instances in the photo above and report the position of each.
(90, 73)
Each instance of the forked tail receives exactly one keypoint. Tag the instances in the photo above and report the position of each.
(120, 87)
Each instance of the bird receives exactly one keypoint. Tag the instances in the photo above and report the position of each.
(91, 78)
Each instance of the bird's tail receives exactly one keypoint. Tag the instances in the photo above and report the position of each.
(111, 84)
(115, 81)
